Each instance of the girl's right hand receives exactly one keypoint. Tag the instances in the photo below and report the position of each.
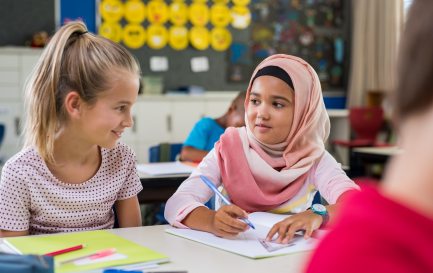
(226, 222)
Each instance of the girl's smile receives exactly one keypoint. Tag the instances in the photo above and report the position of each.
(118, 133)
(262, 128)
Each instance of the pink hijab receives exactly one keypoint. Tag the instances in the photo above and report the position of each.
(260, 177)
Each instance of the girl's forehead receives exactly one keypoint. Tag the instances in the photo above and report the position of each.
(122, 87)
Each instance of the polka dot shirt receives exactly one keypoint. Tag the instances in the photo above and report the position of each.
(32, 198)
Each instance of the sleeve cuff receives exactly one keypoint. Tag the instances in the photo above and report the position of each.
(179, 218)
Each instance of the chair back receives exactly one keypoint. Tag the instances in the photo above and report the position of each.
(164, 152)
(366, 122)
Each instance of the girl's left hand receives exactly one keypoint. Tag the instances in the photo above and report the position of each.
(307, 220)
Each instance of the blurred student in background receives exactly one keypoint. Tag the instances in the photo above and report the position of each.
(207, 130)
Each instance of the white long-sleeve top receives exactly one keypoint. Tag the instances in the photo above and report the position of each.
(325, 176)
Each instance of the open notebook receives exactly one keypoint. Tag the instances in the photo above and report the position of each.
(249, 243)
(127, 252)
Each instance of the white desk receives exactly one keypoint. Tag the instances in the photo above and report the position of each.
(382, 151)
(158, 188)
(194, 257)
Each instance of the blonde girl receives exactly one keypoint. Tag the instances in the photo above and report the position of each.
(72, 170)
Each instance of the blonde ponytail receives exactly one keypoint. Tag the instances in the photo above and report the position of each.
(74, 60)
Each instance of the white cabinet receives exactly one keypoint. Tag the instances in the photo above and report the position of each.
(184, 115)
(9, 77)
(27, 63)
(216, 108)
(151, 126)
(152, 120)
(170, 118)
(15, 66)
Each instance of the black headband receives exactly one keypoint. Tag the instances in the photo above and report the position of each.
(276, 72)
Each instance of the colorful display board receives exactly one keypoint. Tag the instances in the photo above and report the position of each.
(315, 30)
(200, 24)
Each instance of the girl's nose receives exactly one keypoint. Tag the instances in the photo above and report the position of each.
(129, 122)
(262, 112)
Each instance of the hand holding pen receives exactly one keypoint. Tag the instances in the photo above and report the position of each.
(226, 213)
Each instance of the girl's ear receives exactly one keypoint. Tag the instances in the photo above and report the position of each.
(73, 104)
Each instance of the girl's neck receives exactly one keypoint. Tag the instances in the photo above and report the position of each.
(273, 150)
(71, 149)
(76, 160)
(222, 121)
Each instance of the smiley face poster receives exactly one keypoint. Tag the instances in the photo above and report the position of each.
(179, 24)
(134, 36)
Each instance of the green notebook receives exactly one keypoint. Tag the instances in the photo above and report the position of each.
(128, 252)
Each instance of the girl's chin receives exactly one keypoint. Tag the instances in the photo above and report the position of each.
(261, 135)
(263, 140)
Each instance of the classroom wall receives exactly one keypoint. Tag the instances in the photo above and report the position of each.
(19, 19)
(180, 73)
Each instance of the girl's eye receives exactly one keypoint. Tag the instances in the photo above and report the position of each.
(121, 108)
(278, 105)
(254, 101)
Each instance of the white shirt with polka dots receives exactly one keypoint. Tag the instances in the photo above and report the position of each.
(32, 198)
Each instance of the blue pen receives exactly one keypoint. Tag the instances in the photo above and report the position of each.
(217, 192)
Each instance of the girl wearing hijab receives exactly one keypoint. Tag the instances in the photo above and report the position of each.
(276, 163)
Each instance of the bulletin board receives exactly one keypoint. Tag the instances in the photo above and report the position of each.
(315, 30)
